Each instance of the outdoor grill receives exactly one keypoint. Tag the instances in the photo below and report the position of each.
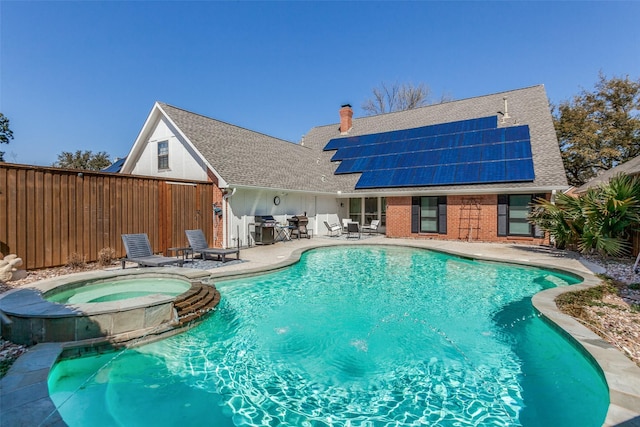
(265, 229)
(299, 222)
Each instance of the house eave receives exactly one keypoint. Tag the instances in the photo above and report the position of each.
(407, 192)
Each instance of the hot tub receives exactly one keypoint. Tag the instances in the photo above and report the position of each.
(117, 290)
(116, 305)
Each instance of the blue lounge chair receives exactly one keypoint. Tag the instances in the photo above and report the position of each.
(199, 244)
(139, 251)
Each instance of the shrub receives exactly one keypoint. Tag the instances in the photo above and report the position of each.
(106, 256)
(75, 260)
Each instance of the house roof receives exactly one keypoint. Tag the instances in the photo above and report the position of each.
(528, 106)
(116, 166)
(630, 167)
(245, 158)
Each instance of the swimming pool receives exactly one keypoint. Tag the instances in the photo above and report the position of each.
(352, 336)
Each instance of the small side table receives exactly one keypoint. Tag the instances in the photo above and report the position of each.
(181, 251)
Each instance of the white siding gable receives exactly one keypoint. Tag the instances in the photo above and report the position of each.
(184, 163)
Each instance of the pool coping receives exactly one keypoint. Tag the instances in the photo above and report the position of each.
(24, 396)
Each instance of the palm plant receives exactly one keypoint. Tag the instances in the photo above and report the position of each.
(602, 219)
(562, 219)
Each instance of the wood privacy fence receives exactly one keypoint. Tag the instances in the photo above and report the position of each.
(48, 214)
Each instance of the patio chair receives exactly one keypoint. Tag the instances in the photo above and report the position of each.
(334, 229)
(373, 227)
(139, 251)
(345, 221)
(353, 228)
(198, 244)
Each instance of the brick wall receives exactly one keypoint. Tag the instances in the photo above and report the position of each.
(469, 218)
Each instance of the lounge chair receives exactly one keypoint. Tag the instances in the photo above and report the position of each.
(199, 244)
(353, 228)
(333, 229)
(139, 251)
(373, 227)
(345, 221)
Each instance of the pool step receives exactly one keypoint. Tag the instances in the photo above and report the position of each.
(196, 302)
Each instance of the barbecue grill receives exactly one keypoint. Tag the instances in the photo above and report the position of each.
(264, 229)
(299, 224)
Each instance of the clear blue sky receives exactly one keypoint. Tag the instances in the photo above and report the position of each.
(84, 75)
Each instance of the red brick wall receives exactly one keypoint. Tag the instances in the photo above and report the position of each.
(469, 218)
(217, 222)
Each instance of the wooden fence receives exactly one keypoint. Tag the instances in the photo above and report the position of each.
(48, 214)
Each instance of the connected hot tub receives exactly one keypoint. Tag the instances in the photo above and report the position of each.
(117, 305)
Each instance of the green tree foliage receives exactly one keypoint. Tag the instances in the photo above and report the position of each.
(6, 133)
(83, 160)
(600, 129)
(601, 219)
(388, 98)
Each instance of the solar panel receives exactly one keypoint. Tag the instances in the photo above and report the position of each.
(462, 126)
(464, 152)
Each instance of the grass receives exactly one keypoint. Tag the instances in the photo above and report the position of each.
(573, 303)
(590, 297)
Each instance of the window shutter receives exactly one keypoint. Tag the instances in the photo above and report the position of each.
(415, 214)
(442, 214)
(503, 208)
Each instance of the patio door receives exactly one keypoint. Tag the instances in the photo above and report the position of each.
(365, 209)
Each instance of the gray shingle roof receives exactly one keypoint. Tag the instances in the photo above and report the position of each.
(528, 106)
(247, 158)
(630, 167)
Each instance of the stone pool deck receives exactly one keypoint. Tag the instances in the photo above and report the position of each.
(24, 396)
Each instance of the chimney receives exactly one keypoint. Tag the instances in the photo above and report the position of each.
(346, 119)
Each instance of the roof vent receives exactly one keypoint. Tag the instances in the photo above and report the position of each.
(505, 115)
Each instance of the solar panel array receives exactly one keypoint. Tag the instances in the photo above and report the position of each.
(465, 152)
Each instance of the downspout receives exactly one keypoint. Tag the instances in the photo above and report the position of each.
(225, 207)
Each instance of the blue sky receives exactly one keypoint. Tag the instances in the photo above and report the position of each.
(84, 75)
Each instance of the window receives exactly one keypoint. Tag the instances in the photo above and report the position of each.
(518, 212)
(355, 209)
(383, 212)
(429, 214)
(370, 209)
(513, 213)
(163, 155)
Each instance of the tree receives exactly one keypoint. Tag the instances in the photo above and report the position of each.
(5, 133)
(83, 160)
(599, 130)
(399, 97)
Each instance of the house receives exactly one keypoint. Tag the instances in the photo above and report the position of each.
(465, 169)
(630, 167)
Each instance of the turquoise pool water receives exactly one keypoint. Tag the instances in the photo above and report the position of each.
(119, 289)
(364, 336)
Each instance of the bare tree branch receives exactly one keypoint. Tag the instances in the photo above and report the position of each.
(388, 98)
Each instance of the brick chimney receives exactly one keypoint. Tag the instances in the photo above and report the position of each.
(346, 119)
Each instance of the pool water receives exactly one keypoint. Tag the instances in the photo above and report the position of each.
(119, 290)
(362, 336)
